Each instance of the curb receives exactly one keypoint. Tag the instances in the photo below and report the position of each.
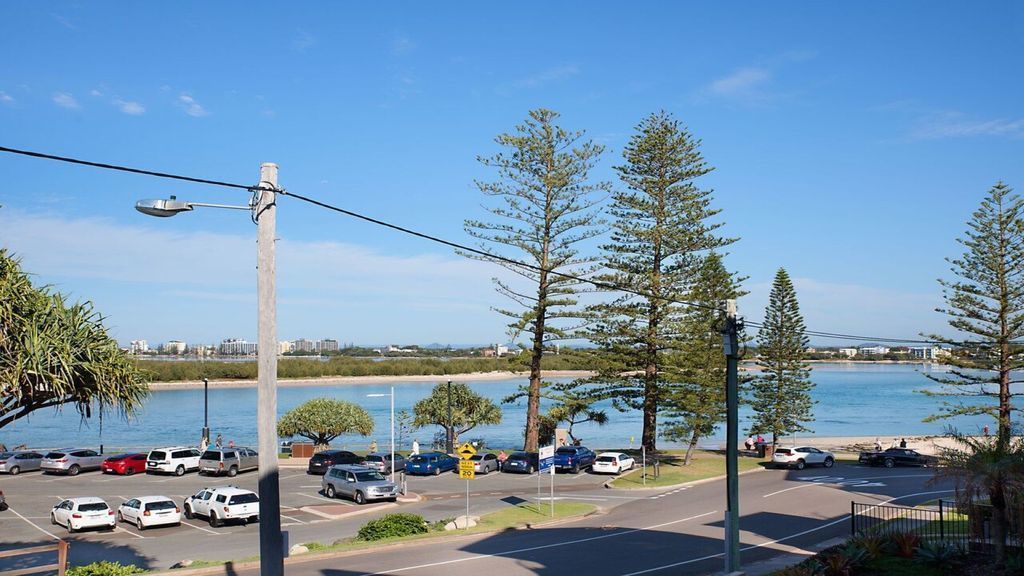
(674, 486)
(314, 556)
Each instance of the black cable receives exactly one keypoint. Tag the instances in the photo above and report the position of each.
(128, 169)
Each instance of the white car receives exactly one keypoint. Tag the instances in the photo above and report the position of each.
(802, 456)
(176, 460)
(79, 513)
(223, 503)
(612, 463)
(147, 511)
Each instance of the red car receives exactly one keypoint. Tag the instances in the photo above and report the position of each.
(126, 464)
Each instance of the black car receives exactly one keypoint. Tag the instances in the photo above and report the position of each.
(522, 462)
(897, 457)
(321, 462)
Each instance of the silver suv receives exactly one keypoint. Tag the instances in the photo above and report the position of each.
(71, 461)
(359, 483)
(228, 461)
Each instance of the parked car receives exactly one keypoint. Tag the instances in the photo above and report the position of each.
(322, 461)
(382, 462)
(222, 504)
(15, 463)
(485, 463)
(359, 483)
(574, 458)
(522, 462)
(897, 457)
(286, 447)
(431, 463)
(176, 460)
(125, 464)
(802, 456)
(228, 461)
(71, 461)
(147, 511)
(80, 513)
(613, 463)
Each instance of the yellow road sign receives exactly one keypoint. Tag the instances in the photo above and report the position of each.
(466, 470)
(466, 451)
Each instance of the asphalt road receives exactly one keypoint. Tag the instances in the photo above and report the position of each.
(676, 531)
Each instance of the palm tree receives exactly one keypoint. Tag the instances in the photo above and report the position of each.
(986, 467)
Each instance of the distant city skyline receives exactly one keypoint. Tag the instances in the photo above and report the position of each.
(852, 162)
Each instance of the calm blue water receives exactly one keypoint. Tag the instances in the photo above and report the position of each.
(853, 400)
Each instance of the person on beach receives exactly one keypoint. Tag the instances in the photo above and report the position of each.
(760, 439)
(749, 443)
(985, 430)
(218, 442)
(373, 446)
(894, 443)
(415, 447)
(878, 444)
(903, 442)
(231, 443)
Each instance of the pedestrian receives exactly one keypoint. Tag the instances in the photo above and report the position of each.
(749, 443)
(878, 444)
(415, 447)
(373, 446)
(903, 442)
(3, 447)
(561, 442)
(760, 439)
(501, 459)
(218, 442)
(203, 444)
(231, 443)
(894, 443)
(985, 430)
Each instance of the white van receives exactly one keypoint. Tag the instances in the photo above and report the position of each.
(176, 460)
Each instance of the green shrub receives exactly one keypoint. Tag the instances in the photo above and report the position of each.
(439, 525)
(104, 569)
(938, 553)
(905, 543)
(392, 526)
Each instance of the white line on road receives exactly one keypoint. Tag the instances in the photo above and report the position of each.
(190, 525)
(117, 528)
(292, 518)
(793, 488)
(322, 498)
(33, 524)
(542, 547)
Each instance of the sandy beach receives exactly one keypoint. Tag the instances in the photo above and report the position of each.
(853, 444)
(359, 380)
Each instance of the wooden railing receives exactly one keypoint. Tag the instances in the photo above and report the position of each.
(61, 548)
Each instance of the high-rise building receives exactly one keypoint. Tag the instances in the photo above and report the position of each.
(138, 347)
(237, 347)
(174, 347)
(284, 347)
(303, 345)
(327, 345)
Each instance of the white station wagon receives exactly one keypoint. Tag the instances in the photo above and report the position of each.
(147, 511)
(85, 512)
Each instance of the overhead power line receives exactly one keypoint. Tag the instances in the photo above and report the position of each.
(438, 240)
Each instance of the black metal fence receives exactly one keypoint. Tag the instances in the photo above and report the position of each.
(969, 527)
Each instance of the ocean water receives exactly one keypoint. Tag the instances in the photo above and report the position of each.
(852, 400)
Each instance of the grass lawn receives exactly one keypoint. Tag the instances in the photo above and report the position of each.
(705, 464)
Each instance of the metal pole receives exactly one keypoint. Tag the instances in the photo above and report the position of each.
(730, 337)
(552, 490)
(206, 410)
(392, 434)
(467, 504)
(449, 441)
(643, 458)
(271, 540)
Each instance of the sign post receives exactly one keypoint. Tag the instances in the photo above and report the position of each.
(545, 462)
(466, 470)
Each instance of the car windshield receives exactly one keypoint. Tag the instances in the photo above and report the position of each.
(372, 458)
(517, 456)
(116, 458)
(368, 476)
(418, 459)
(210, 455)
(4, 455)
(477, 458)
(606, 458)
(157, 455)
(783, 451)
(244, 499)
(161, 505)
(92, 507)
(566, 451)
(55, 455)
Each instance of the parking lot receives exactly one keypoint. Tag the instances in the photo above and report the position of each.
(305, 511)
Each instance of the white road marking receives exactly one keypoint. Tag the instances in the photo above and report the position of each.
(117, 528)
(33, 524)
(293, 476)
(297, 521)
(190, 525)
(544, 546)
(322, 498)
(793, 488)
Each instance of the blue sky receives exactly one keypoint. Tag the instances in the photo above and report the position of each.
(850, 145)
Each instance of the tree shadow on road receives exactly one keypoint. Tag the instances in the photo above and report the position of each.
(79, 552)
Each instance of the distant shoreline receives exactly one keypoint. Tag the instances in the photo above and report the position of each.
(366, 380)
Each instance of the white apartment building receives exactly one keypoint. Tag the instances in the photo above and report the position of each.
(237, 347)
(138, 347)
(174, 347)
(327, 345)
(874, 350)
(925, 352)
(284, 347)
(303, 345)
(848, 352)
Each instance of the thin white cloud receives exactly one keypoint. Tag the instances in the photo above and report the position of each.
(95, 92)
(191, 106)
(130, 108)
(959, 125)
(66, 100)
(744, 82)
(6, 98)
(547, 76)
(64, 22)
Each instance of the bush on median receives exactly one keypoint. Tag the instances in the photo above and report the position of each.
(104, 568)
(392, 526)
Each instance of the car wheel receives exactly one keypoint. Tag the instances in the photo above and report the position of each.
(120, 517)
(188, 512)
(889, 462)
(180, 470)
(437, 471)
(330, 491)
(139, 525)
(529, 469)
(232, 472)
(129, 471)
(800, 464)
(359, 498)
(71, 529)
(14, 471)
(575, 468)
(53, 519)
(74, 470)
(214, 521)
(829, 462)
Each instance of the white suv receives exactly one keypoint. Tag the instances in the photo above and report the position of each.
(176, 460)
(223, 503)
(801, 457)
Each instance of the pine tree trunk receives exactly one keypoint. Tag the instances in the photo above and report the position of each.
(533, 398)
(999, 521)
(649, 437)
(690, 448)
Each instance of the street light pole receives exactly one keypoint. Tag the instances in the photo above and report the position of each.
(730, 342)
(448, 444)
(271, 541)
(392, 395)
(206, 411)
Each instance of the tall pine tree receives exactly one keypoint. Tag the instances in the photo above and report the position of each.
(545, 207)
(661, 233)
(782, 391)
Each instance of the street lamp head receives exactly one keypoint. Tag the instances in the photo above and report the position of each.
(162, 208)
(377, 395)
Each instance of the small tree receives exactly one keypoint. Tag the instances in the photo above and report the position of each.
(323, 419)
(468, 410)
(403, 427)
(54, 353)
(570, 403)
(782, 391)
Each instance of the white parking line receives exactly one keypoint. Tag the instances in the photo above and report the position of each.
(118, 528)
(190, 525)
(292, 518)
(293, 476)
(33, 524)
(793, 488)
(322, 498)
